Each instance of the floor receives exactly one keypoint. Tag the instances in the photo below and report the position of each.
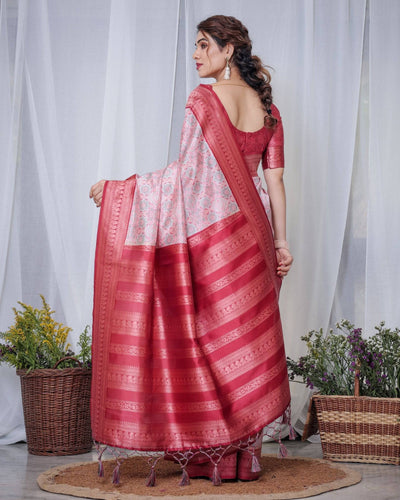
(19, 470)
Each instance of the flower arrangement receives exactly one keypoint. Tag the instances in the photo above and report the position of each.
(334, 360)
(36, 340)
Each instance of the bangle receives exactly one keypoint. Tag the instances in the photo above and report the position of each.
(281, 244)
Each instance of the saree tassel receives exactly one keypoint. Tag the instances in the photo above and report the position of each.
(282, 453)
(116, 475)
(100, 452)
(255, 464)
(292, 433)
(286, 417)
(185, 480)
(216, 478)
(100, 469)
(151, 480)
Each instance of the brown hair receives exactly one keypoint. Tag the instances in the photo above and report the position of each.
(228, 29)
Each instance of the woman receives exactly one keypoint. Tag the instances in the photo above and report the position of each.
(188, 355)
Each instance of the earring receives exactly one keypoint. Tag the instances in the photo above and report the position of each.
(227, 75)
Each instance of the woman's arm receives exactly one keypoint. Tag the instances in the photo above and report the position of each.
(277, 196)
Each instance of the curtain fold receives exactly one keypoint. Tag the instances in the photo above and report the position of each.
(382, 287)
(12, 39)
(96, 89)
(79, 104)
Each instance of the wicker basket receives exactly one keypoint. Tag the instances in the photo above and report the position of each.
(56, 406)
(356, 428)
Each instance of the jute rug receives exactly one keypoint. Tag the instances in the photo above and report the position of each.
(281, 479)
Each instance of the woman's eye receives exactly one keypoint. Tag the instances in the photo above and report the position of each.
(203, 46)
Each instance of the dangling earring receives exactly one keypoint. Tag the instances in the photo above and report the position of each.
(227, 75)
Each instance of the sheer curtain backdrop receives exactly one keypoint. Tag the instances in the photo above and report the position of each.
(94, 89)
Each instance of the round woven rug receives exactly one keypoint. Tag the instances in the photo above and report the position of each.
(291, 477)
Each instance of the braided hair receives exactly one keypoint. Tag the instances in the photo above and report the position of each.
(228, 29)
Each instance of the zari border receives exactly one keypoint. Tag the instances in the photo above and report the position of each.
(211, 116)
(114, 217)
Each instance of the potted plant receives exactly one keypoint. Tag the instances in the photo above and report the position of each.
(357, 406)
(55, 391)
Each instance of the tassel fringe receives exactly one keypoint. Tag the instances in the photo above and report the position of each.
(115, 479)
(151, 480)
(282, 453)
(101, 468)
(185, 480)
(292, 433)
(255, 464)
(99, 456)
(216, 479)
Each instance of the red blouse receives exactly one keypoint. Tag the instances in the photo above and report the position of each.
(265, 144)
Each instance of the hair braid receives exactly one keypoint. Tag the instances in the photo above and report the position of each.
(227, 29)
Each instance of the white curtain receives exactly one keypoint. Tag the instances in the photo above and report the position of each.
(86, 93)
(95, 89)
(382, 269)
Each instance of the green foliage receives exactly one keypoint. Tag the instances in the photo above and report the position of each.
(85, 346)
(36, 340)
(332, 361)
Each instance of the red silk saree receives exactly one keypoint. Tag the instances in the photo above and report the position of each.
(188, 350)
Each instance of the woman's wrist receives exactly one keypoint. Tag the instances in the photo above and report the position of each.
(281, 244)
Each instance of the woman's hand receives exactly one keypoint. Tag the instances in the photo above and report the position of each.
(96, 192)
(285, 259)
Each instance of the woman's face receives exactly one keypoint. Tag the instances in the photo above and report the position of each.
(210, 58)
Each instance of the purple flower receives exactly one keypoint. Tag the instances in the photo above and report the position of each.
(309, 383)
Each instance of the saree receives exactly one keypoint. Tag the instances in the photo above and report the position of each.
(188, 350)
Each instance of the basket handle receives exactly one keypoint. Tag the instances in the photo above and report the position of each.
(65, 359)
(357, 379)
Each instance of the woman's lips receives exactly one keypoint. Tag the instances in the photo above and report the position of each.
(198, 65)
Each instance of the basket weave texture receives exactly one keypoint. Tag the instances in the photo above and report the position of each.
(356, 428)
(56, 405)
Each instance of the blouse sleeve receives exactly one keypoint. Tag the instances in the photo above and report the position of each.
(273, 156)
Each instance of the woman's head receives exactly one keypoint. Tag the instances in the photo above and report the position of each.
(220, 37)
(210, 57)
(228, 33)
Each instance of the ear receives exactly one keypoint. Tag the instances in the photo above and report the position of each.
(229, 48)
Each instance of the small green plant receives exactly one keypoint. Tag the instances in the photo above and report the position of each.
(36, 340)
(85, 346)
(334, 360)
